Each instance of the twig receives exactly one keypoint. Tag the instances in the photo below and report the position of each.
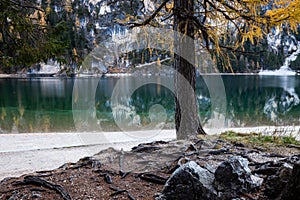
(219, 151)
(153, 178)
(130, 196)
(272, 155)
(25, 6)
(120, 191)
(149, 19)
(40, 182)
(293, 146)
(124, 174)
(144, 149)
(168, 17)
(121, 161)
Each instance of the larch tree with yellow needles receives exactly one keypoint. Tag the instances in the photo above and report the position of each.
(222, 26)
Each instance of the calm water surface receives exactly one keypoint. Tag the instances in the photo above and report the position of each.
(50, 105)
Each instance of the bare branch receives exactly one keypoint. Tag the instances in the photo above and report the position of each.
(149, 19)
(168, 17)
(225, 15)
(27, 5)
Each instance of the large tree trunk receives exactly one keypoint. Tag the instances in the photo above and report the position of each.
(187, 120)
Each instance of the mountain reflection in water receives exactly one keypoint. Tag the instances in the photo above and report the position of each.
(45, 104)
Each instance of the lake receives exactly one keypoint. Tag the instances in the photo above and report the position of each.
(94, 104)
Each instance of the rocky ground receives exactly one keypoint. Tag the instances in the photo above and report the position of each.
(205, 168)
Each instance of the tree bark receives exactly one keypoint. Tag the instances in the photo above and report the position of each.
(187, 120)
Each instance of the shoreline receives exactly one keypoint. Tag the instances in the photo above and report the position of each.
(26, 153)
(18, 142)
(24, 76)
(293, 131)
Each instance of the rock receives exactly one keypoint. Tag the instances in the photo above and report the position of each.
(294, 159)
(292, 189)
(108, 178)
(275, 183)
(189, 181)
(234, 176)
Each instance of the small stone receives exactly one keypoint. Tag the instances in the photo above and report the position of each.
(96, 164)
(108, 178)
(36, 195)
(189, 182)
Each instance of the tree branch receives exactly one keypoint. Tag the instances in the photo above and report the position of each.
(225, 15)
(149, 19)
(27, 5)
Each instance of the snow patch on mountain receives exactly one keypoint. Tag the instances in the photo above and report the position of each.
(282, 40)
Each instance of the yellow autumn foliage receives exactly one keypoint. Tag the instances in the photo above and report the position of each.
(238, 21)
(227, 24)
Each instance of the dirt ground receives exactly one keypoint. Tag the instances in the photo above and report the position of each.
(137, 174)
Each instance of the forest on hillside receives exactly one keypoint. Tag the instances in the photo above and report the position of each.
(67, 31)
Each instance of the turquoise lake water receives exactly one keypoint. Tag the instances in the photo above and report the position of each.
(51, 105)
